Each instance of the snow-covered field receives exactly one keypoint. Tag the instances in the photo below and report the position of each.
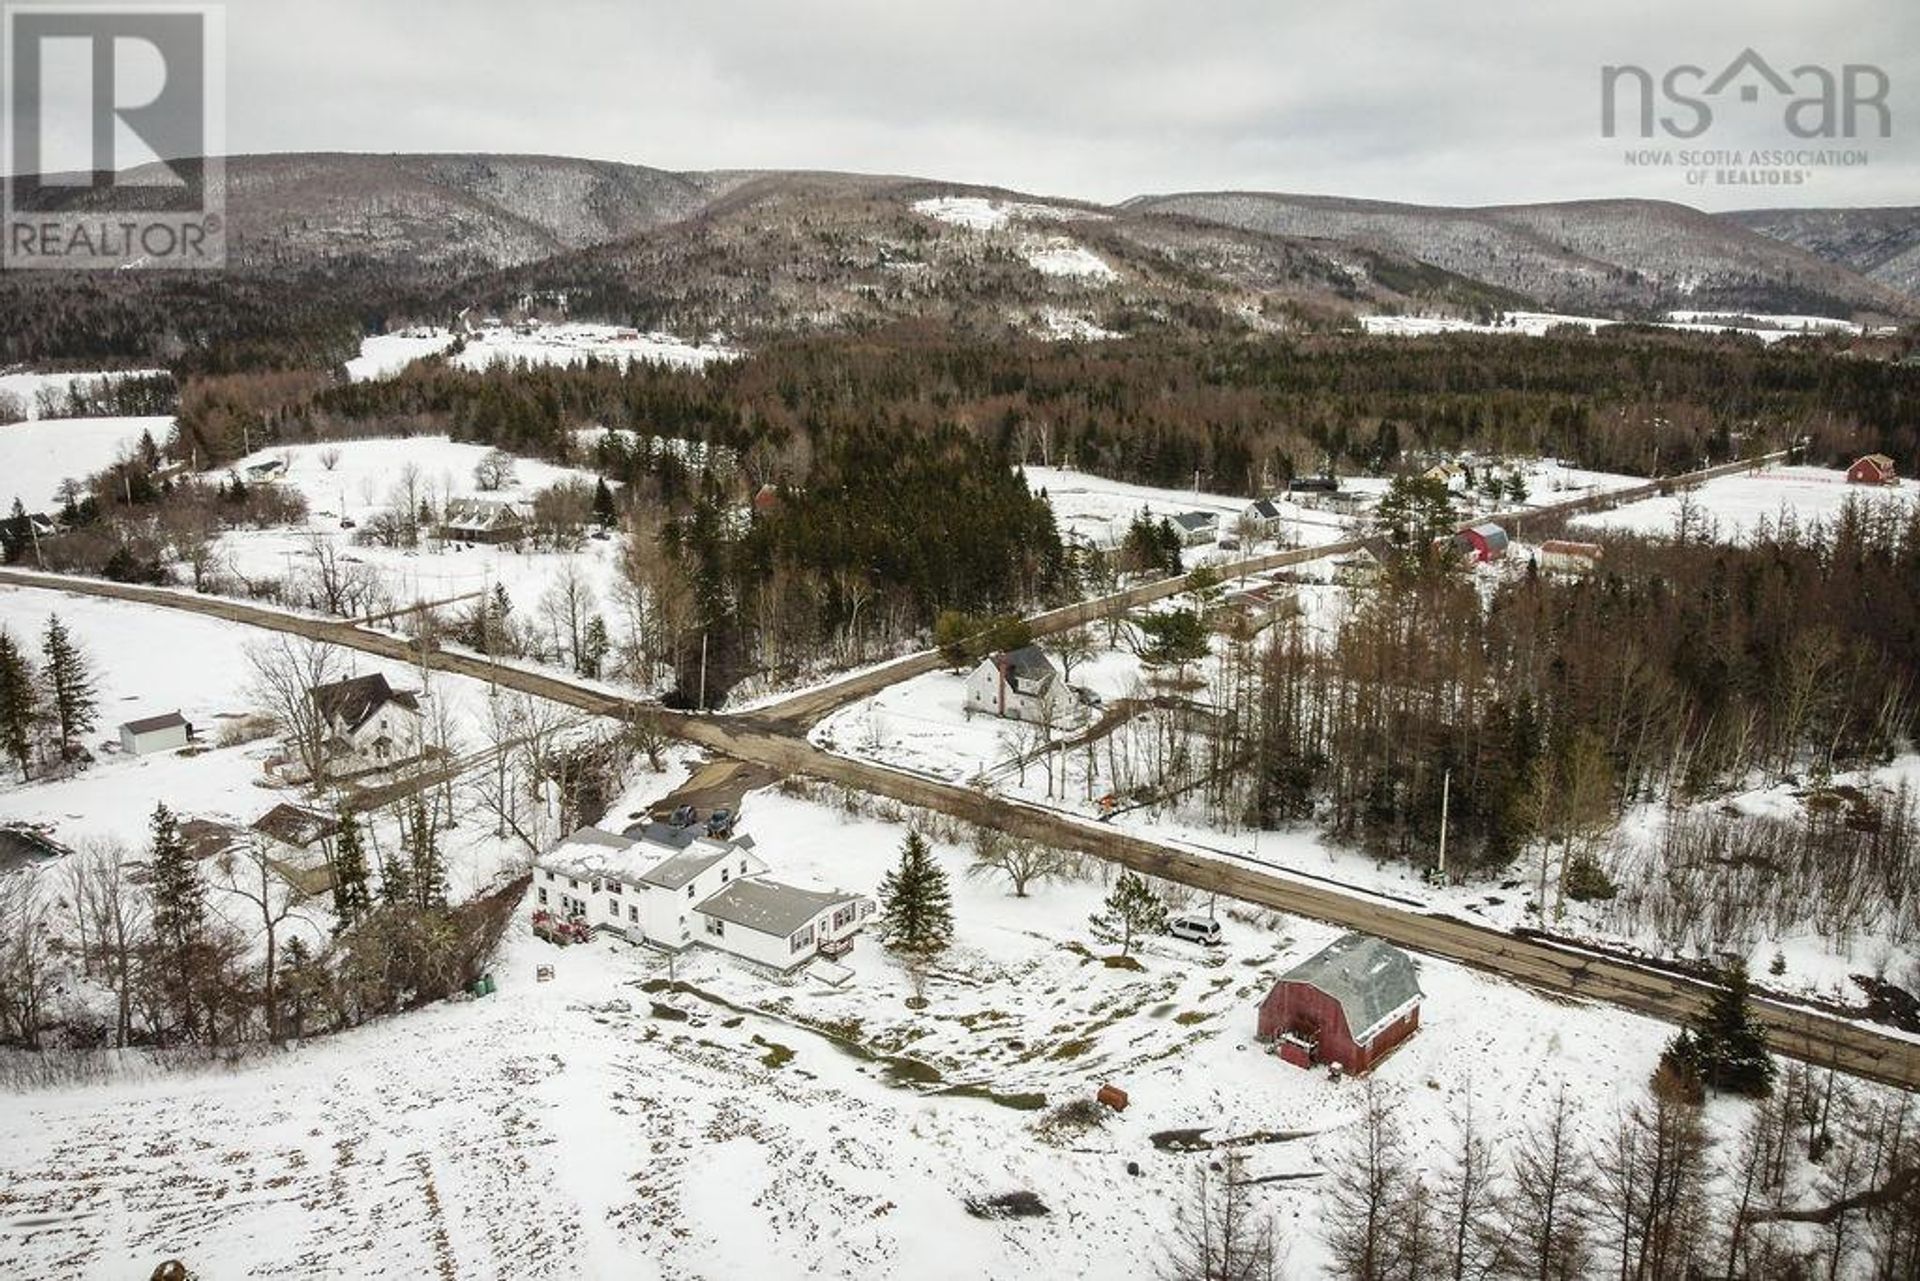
(365, 479)
(384, 355)
(36, 456)
(977, 213)
(1059, 257)
(590, 1126)
(1532, 324)
(23, 391)
(1732, 508)
(576, 343)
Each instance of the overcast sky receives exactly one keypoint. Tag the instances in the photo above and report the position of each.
(1460, 101)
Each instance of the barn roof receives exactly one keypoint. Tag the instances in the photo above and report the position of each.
(1373, 980)
(1029, 662)
(1193, 522)
(296, 825)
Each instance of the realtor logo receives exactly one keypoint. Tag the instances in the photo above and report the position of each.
(114, 127)
(1814, 101)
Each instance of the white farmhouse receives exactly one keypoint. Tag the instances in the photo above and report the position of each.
(1022, 685)
(367, 723)
(674, 887)
(155, 734)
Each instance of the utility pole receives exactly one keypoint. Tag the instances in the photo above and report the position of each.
(1446, 794)
(703, 670)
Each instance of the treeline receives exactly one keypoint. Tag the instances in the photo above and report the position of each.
(1241, 414)
(139, 928)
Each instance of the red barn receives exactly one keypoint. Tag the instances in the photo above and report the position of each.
(1349, 1004)
(1872, 469)
(1485, 541)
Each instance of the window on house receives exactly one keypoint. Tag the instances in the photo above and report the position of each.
(803, 940)
(633, 913)
(716, 926)
(572, 884)
(613, 910)
(613, 887)
(543, 897)
(549, 874)
(723, 876)
(689, 891)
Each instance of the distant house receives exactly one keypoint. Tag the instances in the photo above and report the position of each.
(1264, 515)
(1195, 528)
(297, 826)
(1873, 469)
(482, 520)
(1485, 541)
(1349, 1003)
(1560, 556)
(1314, 485)
(674, 887)
(1357, 568)
(152, 734)
(367, 723)
(1022, 685)
(1452, 475)
(265, 470)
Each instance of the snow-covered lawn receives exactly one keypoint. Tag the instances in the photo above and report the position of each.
(576, 343)
(589, 1126)
(384, 355)
(1731, 508)
(36, 456)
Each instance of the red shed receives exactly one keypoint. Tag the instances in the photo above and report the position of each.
(1349, 1004)
(1872, 469)
(1485, 541)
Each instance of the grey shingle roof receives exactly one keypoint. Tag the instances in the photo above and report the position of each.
(146, 725)
(679, 870)
(1371, 979)
(770, 907)
(1192, 521)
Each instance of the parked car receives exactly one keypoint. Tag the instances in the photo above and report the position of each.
(685, 816)
(1195, 929)
(720, 823)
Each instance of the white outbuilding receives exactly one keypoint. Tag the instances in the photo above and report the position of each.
(155, 734)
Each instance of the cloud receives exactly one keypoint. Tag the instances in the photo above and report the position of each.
(1479, 101)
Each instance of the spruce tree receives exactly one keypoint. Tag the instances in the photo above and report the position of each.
(427, 870)
(1131, 908)
(19, 703)
(351, 898)
(603, 508)
(70, 687)
(179, 910)
(1727, 1047)
(916, 905)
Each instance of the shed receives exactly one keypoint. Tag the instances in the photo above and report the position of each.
(1196, 527)
(1873, 469)
(1567, 557)
(1350, 1003)
(1485, 541)
(155, 734)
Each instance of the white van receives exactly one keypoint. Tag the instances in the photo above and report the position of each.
(1195, 929)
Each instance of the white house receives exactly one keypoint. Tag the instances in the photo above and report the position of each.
(155, 734)
(1022, 685)
(1264, 515)
(674, 887)
(367, 723)
(781, 925)
(1196, 527)
(483, 520)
